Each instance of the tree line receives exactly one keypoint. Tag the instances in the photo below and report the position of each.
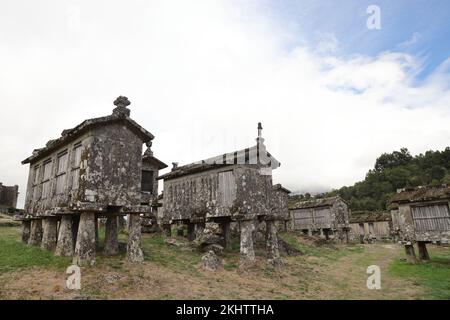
(392, 171)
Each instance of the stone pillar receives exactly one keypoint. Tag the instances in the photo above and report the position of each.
(96, 233)
(226, 233)
(167, 229)
(65, 244)
(35, 232)
(191, 232)
(423, 252)
(199, 228)
(310, 232)
(49, 236)
(75, 224)
(247, 251)
(111, 239)
(410, 253)
(134, 251)
(26, 226)
(272, 244)
(85, 245)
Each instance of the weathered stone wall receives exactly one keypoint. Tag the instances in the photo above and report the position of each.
(109, 172)
(200, 195)
(113, 173)
(279, 204)
(8, 195)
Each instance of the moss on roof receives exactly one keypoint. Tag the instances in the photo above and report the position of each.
(367, 216)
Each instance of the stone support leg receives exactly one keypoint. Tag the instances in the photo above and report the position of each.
(85, 245)
(35, 232)
(111, 237)
(272, 244)
(410, 253)
(134, 251)
(247, 252)
(191, 232)
(423, 252)
(49, 235)
(65, 244)
(26, 228)
(226, 233)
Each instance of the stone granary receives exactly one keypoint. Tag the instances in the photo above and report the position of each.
(327, 217)
(370, 226)
(281, 204)
(8, 197)
(421, 215)
(232, 187)
(93, 170)
(149, 189)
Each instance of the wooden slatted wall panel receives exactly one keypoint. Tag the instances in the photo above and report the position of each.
(322, 216)
(227, 188)
(431, 218)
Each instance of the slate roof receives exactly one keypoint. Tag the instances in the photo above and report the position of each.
(280, 187)
(244, 156)
(120, 115)
(420, 194)
(316, 202)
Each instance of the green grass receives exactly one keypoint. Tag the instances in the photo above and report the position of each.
(433, 275)
(176, 258)
(15, 255)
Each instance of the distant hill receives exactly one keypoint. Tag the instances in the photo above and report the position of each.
(392, 171)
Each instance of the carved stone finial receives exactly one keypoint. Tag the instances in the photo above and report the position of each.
(121, 104)
(148, 152)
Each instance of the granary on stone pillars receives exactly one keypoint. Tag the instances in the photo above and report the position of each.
(280, 207)
(235, 186)
(421, 215)
(93, 170)
(149, 190)
(325, 217)
(367, 227)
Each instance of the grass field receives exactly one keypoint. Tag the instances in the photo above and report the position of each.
(174, 272)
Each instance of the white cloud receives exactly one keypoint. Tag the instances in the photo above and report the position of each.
(200, 75)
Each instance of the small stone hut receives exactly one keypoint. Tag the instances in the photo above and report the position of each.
(232, 187)
(326, 217)
(421, 215)
(93, 170)
(8, 197)
(370, 226)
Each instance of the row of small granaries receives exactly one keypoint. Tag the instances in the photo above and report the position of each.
(331, 219)
(97, 171)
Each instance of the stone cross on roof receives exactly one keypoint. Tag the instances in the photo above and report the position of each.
(121, 104)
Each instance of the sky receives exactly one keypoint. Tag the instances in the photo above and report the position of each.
(332, 94)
